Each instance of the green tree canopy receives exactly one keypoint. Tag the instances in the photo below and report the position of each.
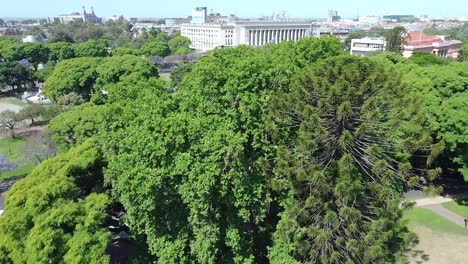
(211, 156)
(56, 213)
(395, 38)
(426, 58)
(178, 73)
(61, 51)
(114, 69)
(345, 133)
(10, 51)
(444, 88)
(32, 112)
(463, 56)
(120, 51)
(75, 75)
(91, 48)
(35, 53)
(179, 42)
(156, 48)
(75, 126)
(15, 75)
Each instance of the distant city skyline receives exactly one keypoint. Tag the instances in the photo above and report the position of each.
(241, 8)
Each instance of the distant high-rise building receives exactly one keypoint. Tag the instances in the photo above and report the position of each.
(333, 16)
(199, 15)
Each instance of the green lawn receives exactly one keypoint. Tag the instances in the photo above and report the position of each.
(459, 207)
(425, 217)
(12, 100)
(13, 148)
(166, 77)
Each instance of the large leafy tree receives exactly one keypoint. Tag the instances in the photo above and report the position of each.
(424, 58)
(10, 51)
(35, 53)
(156, 48)
(15, 75)
(395, 38)
(75, 75)
(114, 69)
(179, 42)
(345, 134)
(178, 73)
(463, 56)
(444, 89)
(75, 126)
(55, 214)
(198, 187)
(119, 51)
(61, 51)
(91, 48)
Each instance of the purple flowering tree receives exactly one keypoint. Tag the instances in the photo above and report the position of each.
(5, 164)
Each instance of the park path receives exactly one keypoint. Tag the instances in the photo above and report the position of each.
(435, 204)
(447, 214)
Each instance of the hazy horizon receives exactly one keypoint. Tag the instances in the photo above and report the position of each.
(242, 8)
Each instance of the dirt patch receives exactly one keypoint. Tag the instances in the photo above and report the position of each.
(437, 247)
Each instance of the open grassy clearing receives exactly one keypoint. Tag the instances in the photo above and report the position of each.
(13, 101)
(433, 221)
(459, 207)
(13, 149)
(440, 241)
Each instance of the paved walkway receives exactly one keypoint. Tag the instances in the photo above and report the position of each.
(447, 214)
(435, 204)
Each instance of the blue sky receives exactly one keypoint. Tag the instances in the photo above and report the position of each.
(243, 8)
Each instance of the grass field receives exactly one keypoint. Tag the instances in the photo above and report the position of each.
(426, 217)
(459, 207)
(166, 77)
(13, 149)
(12, 100)
(440, 241)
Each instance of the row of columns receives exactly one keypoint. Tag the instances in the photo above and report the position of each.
(260, 37)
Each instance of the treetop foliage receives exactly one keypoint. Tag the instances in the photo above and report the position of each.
(61, 212)
(293, 153)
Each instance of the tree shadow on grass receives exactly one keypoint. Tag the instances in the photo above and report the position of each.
(418, 256)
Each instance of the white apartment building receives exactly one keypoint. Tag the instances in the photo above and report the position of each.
(366, 46)
(207, 36)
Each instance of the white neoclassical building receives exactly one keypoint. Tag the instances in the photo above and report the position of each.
(208, 36)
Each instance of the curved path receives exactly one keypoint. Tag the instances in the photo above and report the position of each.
(434, 203)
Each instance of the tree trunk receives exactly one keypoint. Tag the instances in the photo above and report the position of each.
(12, 132)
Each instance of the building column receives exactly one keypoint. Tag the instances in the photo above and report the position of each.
(259, 39)
(260, 34)
(263, 37)
(255, 37)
